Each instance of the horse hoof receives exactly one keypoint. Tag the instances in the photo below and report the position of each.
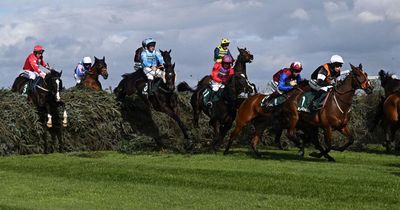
(65, 125)
(331, 159)
(49, 125)
(315, 154)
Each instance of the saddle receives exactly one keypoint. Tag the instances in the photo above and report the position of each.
(312, 101)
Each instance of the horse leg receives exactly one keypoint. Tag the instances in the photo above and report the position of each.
(60, 140)
(239, 125)
(46, 146)
(65, 116)
(216, 126)
(387, 142)
(194, 101)
(242, 119)
(328, 143)
(393, 144)
(345, 131)
(49, 122)
(224, 128)
(256, 138)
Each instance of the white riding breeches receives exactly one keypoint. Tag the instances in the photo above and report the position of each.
(32, 74)
(77, 78)
(153, 74)
(215, 86)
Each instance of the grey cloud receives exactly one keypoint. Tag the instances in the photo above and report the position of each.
(192, 29)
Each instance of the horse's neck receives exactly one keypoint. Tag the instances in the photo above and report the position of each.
(93, 74)
(240, 66)
(343, 94)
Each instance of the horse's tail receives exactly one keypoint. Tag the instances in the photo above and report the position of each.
(183, 86)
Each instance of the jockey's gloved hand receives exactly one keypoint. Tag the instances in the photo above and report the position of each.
(42, 74)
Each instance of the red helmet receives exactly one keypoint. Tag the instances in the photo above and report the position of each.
(38, 48)
(296, 66)
(227, 59)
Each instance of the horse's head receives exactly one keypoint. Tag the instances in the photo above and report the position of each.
(360, 79)
(100, 67)
(170, 76)
(54, 83)
(384, 77)
(244, 55)
(167, 56)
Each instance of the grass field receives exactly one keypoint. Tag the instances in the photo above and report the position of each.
(280, 180)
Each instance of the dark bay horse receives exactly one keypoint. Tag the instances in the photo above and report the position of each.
(391, 120)
(46, 98)
(388, 83)
(164, 98)
(250, 111)
(240, 67)
(91, 78)
(334, 115)
(134, 82)
(387, 110)
(390, 86)
(224, 111)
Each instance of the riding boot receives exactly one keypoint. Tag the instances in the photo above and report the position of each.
(210, 98)
(316, 102)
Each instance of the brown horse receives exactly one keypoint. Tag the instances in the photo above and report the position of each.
(251, 111)
(335, 115)
(223, 111)
(240, 67)
(91, 78)
(391, 120)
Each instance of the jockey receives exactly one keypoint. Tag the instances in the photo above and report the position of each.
(31, 66)
(324, 78)
(221, 50)
(82, 68)
(152, 63)
(284, 80)
(219, 75)
(137, 58)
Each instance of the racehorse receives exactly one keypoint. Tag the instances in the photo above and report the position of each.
(391, 120)
(251, 111)
(387, 110)
(223, 112)
(334, 115)
(240, 67)
(164, 98)
(91, 78)
(46, 97)
(389, 84)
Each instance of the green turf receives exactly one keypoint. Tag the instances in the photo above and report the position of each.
(280, 180)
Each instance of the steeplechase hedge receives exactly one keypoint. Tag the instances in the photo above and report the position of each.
(96, 121)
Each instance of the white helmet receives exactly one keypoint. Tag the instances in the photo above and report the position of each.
(337, 59)
(87, 60)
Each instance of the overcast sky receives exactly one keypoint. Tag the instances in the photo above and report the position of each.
(276, 32)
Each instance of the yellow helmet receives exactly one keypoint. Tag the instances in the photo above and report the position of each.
(225, 41)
